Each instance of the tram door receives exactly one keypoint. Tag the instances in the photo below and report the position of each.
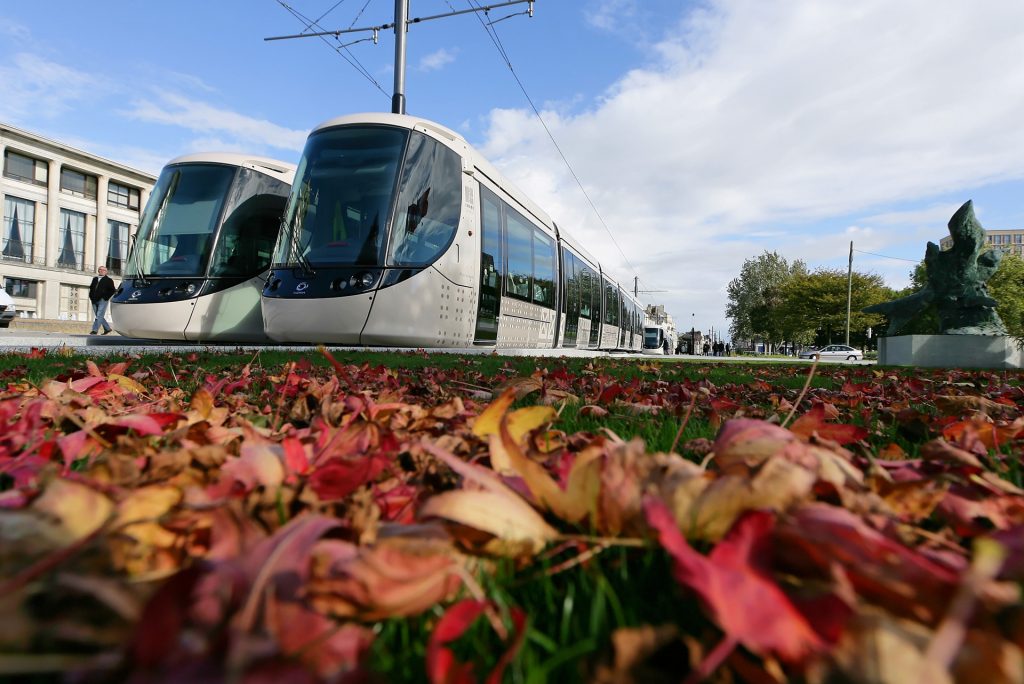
(491, 269)
(571, 300)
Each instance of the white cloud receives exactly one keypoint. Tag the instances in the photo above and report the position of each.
(200, 117)
(610, 15)
(761, 114)
(14, 30)
(437, 60)
(37, 89)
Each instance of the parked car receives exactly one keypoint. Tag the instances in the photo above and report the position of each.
(834, 351)
(7, 309)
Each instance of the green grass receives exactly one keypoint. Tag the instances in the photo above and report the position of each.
(571, 614)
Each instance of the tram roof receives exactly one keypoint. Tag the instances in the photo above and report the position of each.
(454, 140)
(284, 171)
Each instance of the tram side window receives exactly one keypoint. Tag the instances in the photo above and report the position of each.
(520, 257)
(491, 267)
(429, 203)
(611, 303)
(570, 296)
(250, 229)
(543, 269)
(586, 291)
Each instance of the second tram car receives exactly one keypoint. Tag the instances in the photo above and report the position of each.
(204, 246)
(398, 233)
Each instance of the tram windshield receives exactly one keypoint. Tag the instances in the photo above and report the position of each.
(177, 227)
(340, 208)
(208, 220)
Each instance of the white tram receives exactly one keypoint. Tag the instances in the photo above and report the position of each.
(398, 233)
(660, 338)
(204, 246)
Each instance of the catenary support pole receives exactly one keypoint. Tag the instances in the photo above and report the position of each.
(401, 27)
(849, 292)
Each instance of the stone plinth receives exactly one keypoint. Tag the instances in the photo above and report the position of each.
(950, 351)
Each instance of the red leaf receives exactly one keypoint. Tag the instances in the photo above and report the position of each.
(147, 424)
(743, 598)
(163, 618)
(443, 668)
(295, 459)
(879, 568)
(814, 422)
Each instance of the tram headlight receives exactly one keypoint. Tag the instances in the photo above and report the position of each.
(191, 289)
(361, 280)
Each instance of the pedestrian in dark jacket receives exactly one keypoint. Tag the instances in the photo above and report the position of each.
(100, 291)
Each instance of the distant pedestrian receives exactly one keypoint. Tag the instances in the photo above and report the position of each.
(707, 348)
(727, 349)
(100, 291)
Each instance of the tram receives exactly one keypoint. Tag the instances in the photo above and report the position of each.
(203, 250)
(660, 338)
(398, 233)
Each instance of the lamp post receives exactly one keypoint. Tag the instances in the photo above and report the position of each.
(693, 335)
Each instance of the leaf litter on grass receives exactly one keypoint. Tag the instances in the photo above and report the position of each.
(157, 524)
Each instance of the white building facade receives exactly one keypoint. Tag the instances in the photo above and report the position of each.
(1009, 241)
(65, 213)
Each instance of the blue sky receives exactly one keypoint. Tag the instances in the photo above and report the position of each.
(703, 132)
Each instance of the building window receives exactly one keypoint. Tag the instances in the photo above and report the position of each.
(117, 249)
(18, 230)
(122, 196)
(77, 183)
(25, 168)
(16, 287)
(71, 253)
(74, 303)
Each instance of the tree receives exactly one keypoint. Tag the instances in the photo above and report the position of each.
(1007, 288)
(756, 294)
(816, 302)
(927, 322)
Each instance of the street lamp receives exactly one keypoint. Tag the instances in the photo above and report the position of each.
(693, 335)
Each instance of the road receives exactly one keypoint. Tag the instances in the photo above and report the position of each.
(22, 341)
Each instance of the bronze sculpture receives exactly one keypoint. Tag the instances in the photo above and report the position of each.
(956, 284)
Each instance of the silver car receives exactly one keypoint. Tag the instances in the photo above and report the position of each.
(7, 310)
(834, 351)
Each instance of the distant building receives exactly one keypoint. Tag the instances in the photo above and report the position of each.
(1010, 241)
(65, 213)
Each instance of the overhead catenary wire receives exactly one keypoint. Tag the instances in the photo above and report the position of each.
(885, 256)
(489, 28)
(350, 58)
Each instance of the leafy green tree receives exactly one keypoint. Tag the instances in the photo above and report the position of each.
(756, 295)
(814, 305)
(1007, 288)
(927, 322)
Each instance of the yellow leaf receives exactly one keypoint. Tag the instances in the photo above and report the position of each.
(137, 515)
(516, 528)
(571, 504)
(527, 419)
(488, 421)
(79, 510)
(202, 402)
(520, 386)
(126, 383)
(777, 485)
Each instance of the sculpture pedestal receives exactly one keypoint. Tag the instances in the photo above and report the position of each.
(950, 351)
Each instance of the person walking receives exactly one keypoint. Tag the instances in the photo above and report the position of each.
(101, 289)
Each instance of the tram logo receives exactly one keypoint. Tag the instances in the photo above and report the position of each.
(301, 287)
(136, 294)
